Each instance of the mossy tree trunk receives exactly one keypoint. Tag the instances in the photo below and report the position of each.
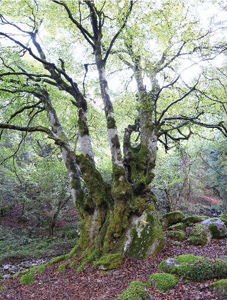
(119, 217)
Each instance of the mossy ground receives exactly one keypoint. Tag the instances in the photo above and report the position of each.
(163, 281)
(136, 291)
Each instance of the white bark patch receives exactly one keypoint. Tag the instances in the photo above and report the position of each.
(138, 225)
(85, 143)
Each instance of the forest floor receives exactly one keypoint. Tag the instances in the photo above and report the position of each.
(93, 284)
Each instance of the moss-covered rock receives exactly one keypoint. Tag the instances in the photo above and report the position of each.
(195, 268)
(199, 236)
(144, 237)
(177, 235)
(178, 226)
(216, 227)
(172, 218)
(163, 281)
(109, 262)
(220, 287)
(223, 217)
(191, 220)
(136, 291)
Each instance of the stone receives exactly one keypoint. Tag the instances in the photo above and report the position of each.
(177, 235)
(195, 268)
(217, 228)
(200, 236)
(172, 218)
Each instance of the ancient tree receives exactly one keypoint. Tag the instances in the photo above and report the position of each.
(117, 216)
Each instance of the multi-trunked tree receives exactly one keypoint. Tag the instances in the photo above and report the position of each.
(117, 216)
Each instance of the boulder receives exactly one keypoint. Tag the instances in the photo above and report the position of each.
(223, 217)
(191, 220)
(220, 287)
(217, 228)
(178, 226)
(195, 268)
(172, 218)
(177, 235)
(200, 235)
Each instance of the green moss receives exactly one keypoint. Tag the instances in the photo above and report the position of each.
(2, 288)
(121, 189)
(191, 220)
(172, 218)
(89, 257)
(180, 265)
(73, 264)
(188, 259)
(195, 268)
(163, 281)
(62, 267)
(216, 233)
(111, 123)
(27, 279)
(220, 284)
(223, 217)
(56, 260)
(178, 235)
(1, 276)
(179, 226)
(199, 236)
(136, 291)
(97, 188)
(109, 262)
(146, 236)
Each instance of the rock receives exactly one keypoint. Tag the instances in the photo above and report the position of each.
(177, 235)
(200, 236)
(223, 217)
(178, 226)
(191, 220)
(6, 267)
(172, 218)
(195, 268)
(220, 287)
(217, 228)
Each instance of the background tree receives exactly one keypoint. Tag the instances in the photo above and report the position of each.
(117, 215)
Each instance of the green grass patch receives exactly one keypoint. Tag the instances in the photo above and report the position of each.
(27, 279)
